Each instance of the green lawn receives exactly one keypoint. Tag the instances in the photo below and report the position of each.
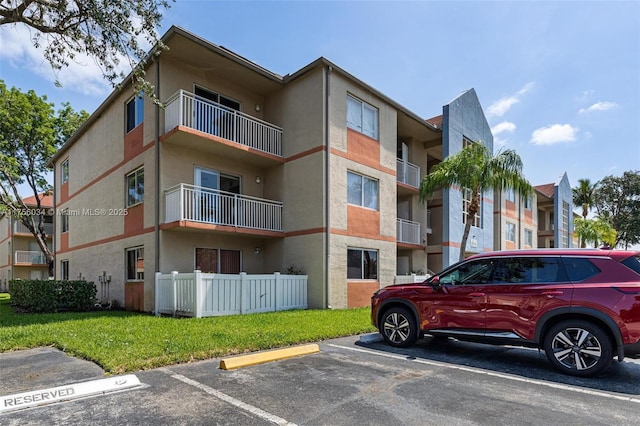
(123, 341)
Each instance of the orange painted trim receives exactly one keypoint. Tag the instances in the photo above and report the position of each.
(451, 244)
(104, 241)
(220, 140)
(64, 192)
(435, 206)
(64, 241)
(373, 166)
(363, 221)
(306, 153)
(8, 237)
(134, 220)
(408, 187)
(305, 232)
(224, 228)
(410, 246)
(370, 237)
(107, 173)
(134, 143)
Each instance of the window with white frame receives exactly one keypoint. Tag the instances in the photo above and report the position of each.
(510, 232)
(527, 202)
(528, 237)
(362, 191)
(466, 203)
(134, 112)
(135, 263)
(64, 171)
(510, 195)
(65, 220)
(135, 187)
(64, 270)
(362, 117)
(362, 264)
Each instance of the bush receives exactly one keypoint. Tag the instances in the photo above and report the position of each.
(52, 296)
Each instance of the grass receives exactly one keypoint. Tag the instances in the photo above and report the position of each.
(122, 341)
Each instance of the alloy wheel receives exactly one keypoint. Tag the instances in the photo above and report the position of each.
(576, 349)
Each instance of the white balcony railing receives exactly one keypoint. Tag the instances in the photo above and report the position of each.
(19, 228)
(408, 173)
(429, 230)
(408, 232)
(31, 257)
(197, 204)
(187, 109)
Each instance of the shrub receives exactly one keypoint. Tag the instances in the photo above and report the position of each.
(52, 296)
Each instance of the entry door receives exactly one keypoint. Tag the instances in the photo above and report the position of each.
(218, 261)
(206, 202)
(213, 113)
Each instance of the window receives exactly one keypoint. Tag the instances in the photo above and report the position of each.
(528, 270)
(362, 191)
(65, 220)
(218, 261)
(510, 232)
(527, 202)
(510, 195)
(528, 237)
(466, 202)
(135, 187)
(64, 270)
(579, 269)
(474, 272)
(362, 264)
(565, 224)
(362, 117)
(135, 264)
(135, 112)
(64, 170)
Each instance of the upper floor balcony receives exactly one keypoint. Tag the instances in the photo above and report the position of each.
(193, 206)
(223, 125)
(19, 228)
(408, 232)
(22, 257)
(408, 174)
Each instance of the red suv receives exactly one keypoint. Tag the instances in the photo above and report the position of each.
(582, 306)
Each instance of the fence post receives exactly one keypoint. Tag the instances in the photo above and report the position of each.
(197, 275)
(174, 275)
(157, 295)
(278, 289)
(243, 293)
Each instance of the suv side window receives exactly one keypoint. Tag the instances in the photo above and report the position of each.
(474, 272)
(528, 270)
(579, 268)
(632, 262)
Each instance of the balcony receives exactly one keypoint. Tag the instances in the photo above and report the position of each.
(19, 228)
(188, 110)
(408, 174)
(29, 258)
(194, 204)
(408, 232)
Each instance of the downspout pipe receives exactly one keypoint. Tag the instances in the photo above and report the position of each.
(156, 230)
(327, 204)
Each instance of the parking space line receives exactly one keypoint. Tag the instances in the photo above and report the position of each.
(231, 400)
(491, 373)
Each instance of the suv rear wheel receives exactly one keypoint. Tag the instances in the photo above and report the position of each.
(398, 327)
(578, 347)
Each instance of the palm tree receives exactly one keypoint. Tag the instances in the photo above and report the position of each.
(583, 195)
(474, 168)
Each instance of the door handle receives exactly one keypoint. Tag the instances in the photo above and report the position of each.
(476, 294)
(553, 293)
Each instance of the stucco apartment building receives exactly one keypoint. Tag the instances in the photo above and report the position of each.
(247, 170)
(555, 214)
(20, 254)
(515, 221)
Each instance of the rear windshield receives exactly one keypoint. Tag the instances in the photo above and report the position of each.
(633, 263)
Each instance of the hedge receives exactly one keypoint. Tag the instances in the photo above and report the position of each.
(52, 296)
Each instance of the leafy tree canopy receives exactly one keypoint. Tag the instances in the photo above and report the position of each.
(30, 134)
(617, 199)
(108, 31)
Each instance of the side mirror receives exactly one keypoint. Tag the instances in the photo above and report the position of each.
(436, 285)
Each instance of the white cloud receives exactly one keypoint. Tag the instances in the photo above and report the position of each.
(553, 134)
(501, 106)
(82, 75)
(599, 106)
(505, 126)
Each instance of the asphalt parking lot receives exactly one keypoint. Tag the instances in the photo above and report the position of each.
(347, 382)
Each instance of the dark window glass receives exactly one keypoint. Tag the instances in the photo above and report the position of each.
(528, 270)
(474, 272)
(633, 263)
(362, 264)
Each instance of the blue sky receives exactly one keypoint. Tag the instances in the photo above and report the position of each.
(558, 81)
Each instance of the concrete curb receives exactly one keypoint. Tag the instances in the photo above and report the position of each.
(268, 356)
(371, 338)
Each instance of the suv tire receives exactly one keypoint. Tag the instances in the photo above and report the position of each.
(398, 327)
(578, 347)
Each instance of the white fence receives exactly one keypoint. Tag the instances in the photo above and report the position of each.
(187, 109)
(197, 204)
(409, 279)
(408, 173)
(198, 294)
